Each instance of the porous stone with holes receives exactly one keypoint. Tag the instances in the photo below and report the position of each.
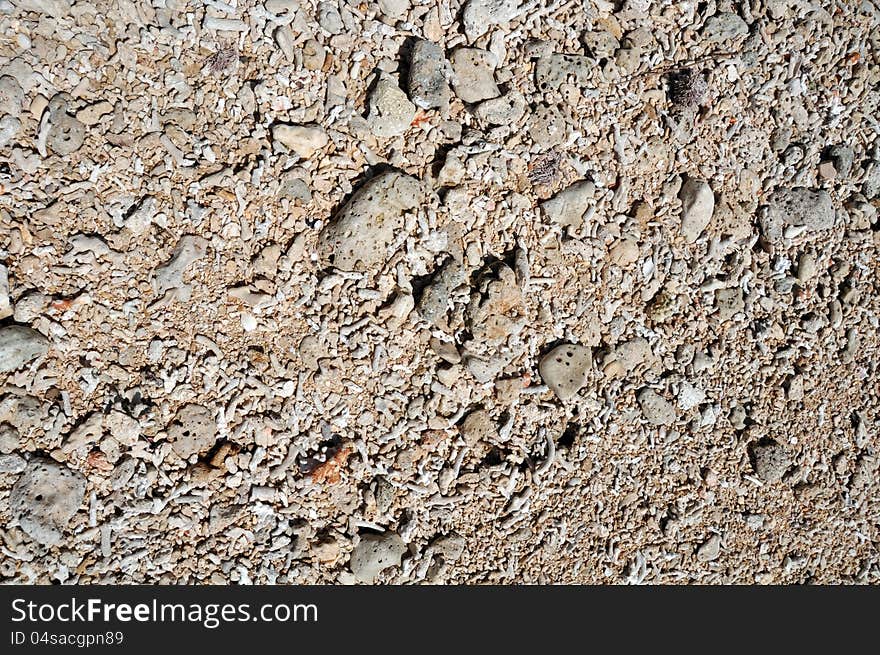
(565, 369)
(358, 237)
(374, 554)
(19, 345)
(45, 498)
(770, 460)
(193, 431)
(801, 207)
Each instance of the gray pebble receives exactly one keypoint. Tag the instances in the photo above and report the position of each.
(697, 207)
(434, 301)
(390, 111)
(12, 463)
(293, 186)
(729, 302)
(313, 55)
(394, 8)
(552, 71)
(770, 460)
(841, 157)
(193, 431)
(568, 207)
(9, 128)
(478, 427)
(11, 96)
(65, 133)
(547, 126)
(358, 237)
(474, 75)
(657, 410)
(710, 549)
(479, 16)
(45, 498)
(723, 27)
(565, 369)
(428, 76)
(871, 181)
(800, 206)
(504, 110)
(19, 345)
(374, 554)
(600, 44)
(484, 369)
(329, 18)
(304, 140)
(8, 439)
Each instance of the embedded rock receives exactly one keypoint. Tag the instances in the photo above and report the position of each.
(358, 237)
(390, 111)
(474, 75)
(428, 76)
(800, 207)
(568, 207)
(19, 345)
(697, 206)
(565, 369)
(193, 431)
(304, 140)
(374, 554)
(45, 498)
(657, 410)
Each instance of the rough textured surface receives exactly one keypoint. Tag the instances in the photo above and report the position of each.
(193, 431)
(304, 140)
(390, 111)
(45, 498)
(771, 460)
(474, 74)
(810, 208)
(361, 232)
(19, 345)
(374, 554)
(697, 206)
(428, 76)
(569, 206)
(479, 16)
(565, 369)
(656, 409)
(294, 230)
